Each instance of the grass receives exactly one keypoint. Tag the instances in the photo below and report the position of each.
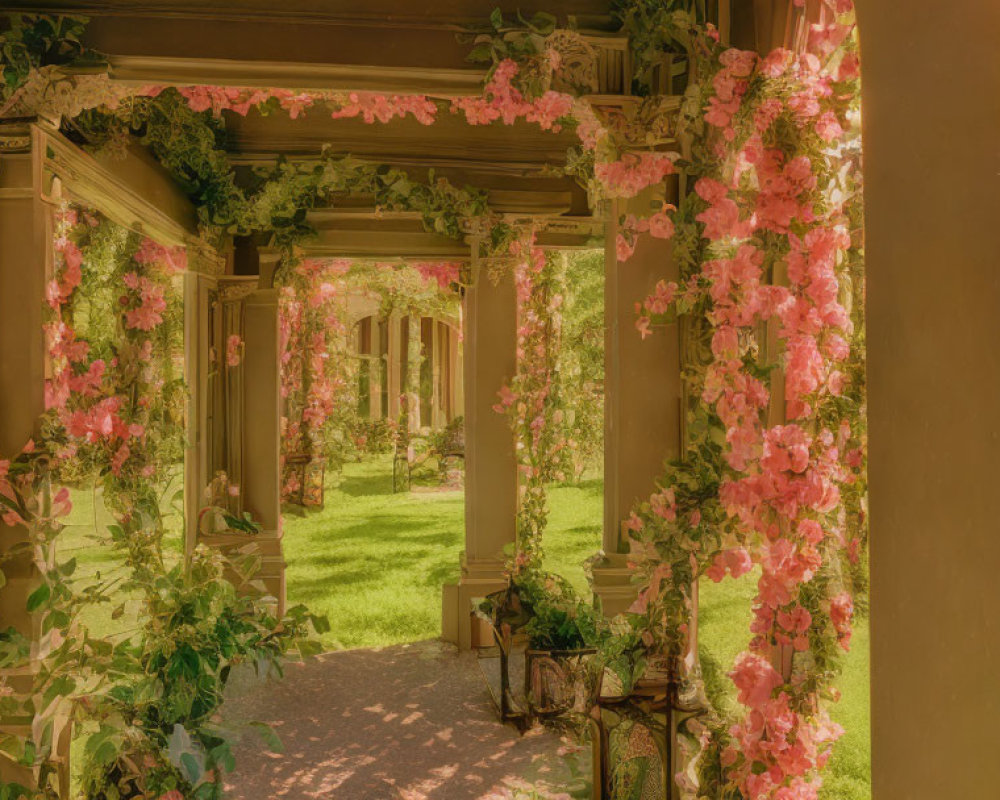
(373, 562)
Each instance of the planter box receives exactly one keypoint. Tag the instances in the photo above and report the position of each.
(560, 681)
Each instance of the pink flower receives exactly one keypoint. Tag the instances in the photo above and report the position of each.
(841, 614)
(623, 248)
(662, 298)
(735, 561)
(776, 62)
(827, 127)
(850, 67)
(739, 62)
(661, 226)
(633, 172)
(755, 679)
(234, 345)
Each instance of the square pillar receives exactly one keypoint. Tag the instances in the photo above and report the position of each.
(262, 434)
(26, 263)
(375, 371)
(642, 403)
(490, 312)
(394, 361)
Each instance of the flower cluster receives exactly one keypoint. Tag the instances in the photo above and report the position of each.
(659, 225)
(90, 394)
(445, 274)
(768, 231)
(372, 107)
(634, 172)
(501, 100)
(369, 106)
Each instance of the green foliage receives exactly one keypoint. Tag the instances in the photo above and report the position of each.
(31, 41)
(656, 27)
(156, 716)
(375, 436)
(522, 40)
(188, 144)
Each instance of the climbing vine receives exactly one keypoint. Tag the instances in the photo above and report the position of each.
(773, 472)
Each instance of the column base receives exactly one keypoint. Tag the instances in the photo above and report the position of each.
(459, 624)
(612, 583)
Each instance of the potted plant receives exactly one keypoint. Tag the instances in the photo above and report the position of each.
(542, 613)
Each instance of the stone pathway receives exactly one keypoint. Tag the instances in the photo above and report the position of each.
(409, 722)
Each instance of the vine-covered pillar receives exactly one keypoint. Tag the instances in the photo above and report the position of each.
(414, 359)
(438, 350)
(262, 434)
(490, 314)
(375, 371)
(394, 359)
(26, 263)
(642, 420)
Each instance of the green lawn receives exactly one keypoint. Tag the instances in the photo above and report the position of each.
(374, 563)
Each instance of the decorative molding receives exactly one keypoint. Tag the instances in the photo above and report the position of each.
(438, 82)
(234, 288)
(15, 143)
(79, 175)
(399, 19)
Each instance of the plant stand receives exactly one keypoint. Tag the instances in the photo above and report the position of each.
(635, 745)
(310, 472)
(495, 664)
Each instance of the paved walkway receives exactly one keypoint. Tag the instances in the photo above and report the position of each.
(410, 722)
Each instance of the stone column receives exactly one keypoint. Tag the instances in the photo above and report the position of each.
(414, 359)
(642, 399)
(197, 454)
(490, 313)
(456, 359)
(437, 349)
(394, 358)
(375, 371)
(26, 226)
(262, 432)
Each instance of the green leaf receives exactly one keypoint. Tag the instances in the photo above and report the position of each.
(320, 623)
(496, 19)
(481, 53)
(191, 767)
(271, 739)
(39, 597)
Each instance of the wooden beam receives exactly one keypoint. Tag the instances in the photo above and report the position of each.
(133, 191)
(142, 69)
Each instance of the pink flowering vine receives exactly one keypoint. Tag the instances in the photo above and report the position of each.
(759, 201)
(530, 399)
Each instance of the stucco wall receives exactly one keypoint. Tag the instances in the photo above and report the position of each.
(931, 83)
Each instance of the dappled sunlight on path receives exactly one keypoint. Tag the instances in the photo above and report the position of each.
(408, 722)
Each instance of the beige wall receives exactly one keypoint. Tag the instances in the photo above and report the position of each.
(931, 75)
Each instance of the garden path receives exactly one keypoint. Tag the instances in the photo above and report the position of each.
(407, 722)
